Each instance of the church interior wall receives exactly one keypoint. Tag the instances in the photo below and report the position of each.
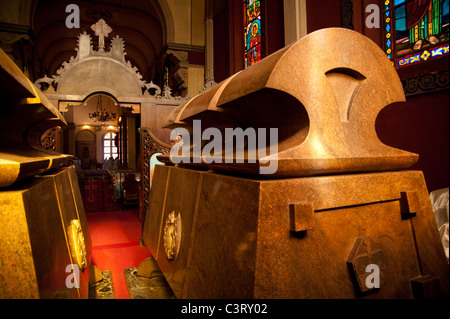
(274, 26)
(170, 52)
(9, 12)
(323, 14)
(188, 20)
(220, 30)
(421, 126)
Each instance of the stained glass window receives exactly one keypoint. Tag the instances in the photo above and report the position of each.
(252, 32)
(416, 30)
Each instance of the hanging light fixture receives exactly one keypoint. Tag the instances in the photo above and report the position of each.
(101, 114)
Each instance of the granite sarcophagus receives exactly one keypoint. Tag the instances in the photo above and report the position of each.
(338, 217)
(45, 249)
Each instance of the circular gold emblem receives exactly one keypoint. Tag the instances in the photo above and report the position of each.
(76, 243)
(172, 235)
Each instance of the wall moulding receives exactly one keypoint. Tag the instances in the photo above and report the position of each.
(426, 83)
(347, 14)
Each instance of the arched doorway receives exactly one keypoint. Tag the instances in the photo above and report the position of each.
(92, 119)
(85, 149)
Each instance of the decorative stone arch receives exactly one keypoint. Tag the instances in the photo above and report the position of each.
(92, 70)
(99, 70)
(85, 147)
(84, 78)
(66, 88)
(85, 132)
(92, 93)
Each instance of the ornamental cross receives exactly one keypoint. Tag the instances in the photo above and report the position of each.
(101, 30)
(91, 186)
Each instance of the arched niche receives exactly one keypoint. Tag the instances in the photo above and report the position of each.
(85, 149)
(86, 136)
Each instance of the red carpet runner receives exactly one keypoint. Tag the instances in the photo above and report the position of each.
(115, 244)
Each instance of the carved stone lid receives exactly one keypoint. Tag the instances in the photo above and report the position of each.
(323, 93)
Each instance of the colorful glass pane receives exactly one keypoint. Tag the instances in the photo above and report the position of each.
(388, 30)
(252, 31)
(416, 31)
